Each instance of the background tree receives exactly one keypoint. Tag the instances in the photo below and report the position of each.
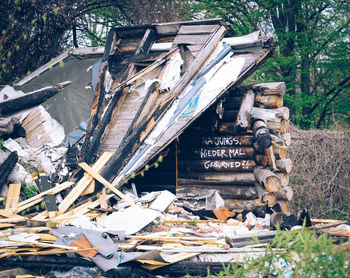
(312, 39)
(33, 32)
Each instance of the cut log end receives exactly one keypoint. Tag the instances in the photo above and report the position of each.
(273, 184)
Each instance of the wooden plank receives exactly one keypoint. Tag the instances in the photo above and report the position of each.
(197, 29)
(38, 198)
(99, 178)
(194, 47)
(13, 197)
(83, 183)
(100, 163)
(171, 260)
(191, 39)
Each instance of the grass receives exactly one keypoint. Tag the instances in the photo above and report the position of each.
(306, 255)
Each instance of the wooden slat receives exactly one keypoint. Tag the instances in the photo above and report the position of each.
(99, 178)
(197, 29)
(38, 198)
(13, 197)
(191, 39)
(83, 183)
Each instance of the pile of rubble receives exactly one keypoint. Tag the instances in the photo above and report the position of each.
(113, 228)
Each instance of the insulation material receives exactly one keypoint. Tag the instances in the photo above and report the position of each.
(42, 129)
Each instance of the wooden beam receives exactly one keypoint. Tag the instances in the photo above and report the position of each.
(102, 180)
(83, 183)
(13, 197)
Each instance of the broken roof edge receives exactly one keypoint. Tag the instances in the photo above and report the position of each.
(172, 28)
(83, 51)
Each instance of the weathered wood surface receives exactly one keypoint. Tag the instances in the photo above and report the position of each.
(285, 193)
(217, 165)
(272, 115)
(269, 101)
(275, 88)
(287, 138)
(284, 178)
(217, 153)
(243, 118)
(265, 196)
(267, 179)
(228, 128)
(234, 191)
(285, 165)
(237, 205)
(132, 142)
(197, 29)
(227, 178)
(191, 39)
(280, 126)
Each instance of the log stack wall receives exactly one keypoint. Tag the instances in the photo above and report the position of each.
(239, 148)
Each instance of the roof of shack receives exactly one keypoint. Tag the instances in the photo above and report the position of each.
(155, 80)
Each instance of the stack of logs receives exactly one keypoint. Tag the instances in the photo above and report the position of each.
(240, 149)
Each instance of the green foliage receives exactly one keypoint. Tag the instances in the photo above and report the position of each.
(2, 147)
(29, 190)
(299, 253)
(312, 52)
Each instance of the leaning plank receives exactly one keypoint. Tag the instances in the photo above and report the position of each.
(101, 179)
(83, 183)
(13, 197)
(243, 117)
(38, 198)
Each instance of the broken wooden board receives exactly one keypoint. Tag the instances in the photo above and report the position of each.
(38, 198)
(99, 178)
(84, 183)
(13, 197)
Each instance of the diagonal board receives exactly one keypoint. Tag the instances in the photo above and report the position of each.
(38, 198)
(83, 183)
(99, 178)
(135, 139)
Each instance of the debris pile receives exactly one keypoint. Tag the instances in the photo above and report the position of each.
(157, 88)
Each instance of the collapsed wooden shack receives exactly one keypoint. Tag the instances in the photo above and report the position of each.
(170, 113)
(159, 81)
